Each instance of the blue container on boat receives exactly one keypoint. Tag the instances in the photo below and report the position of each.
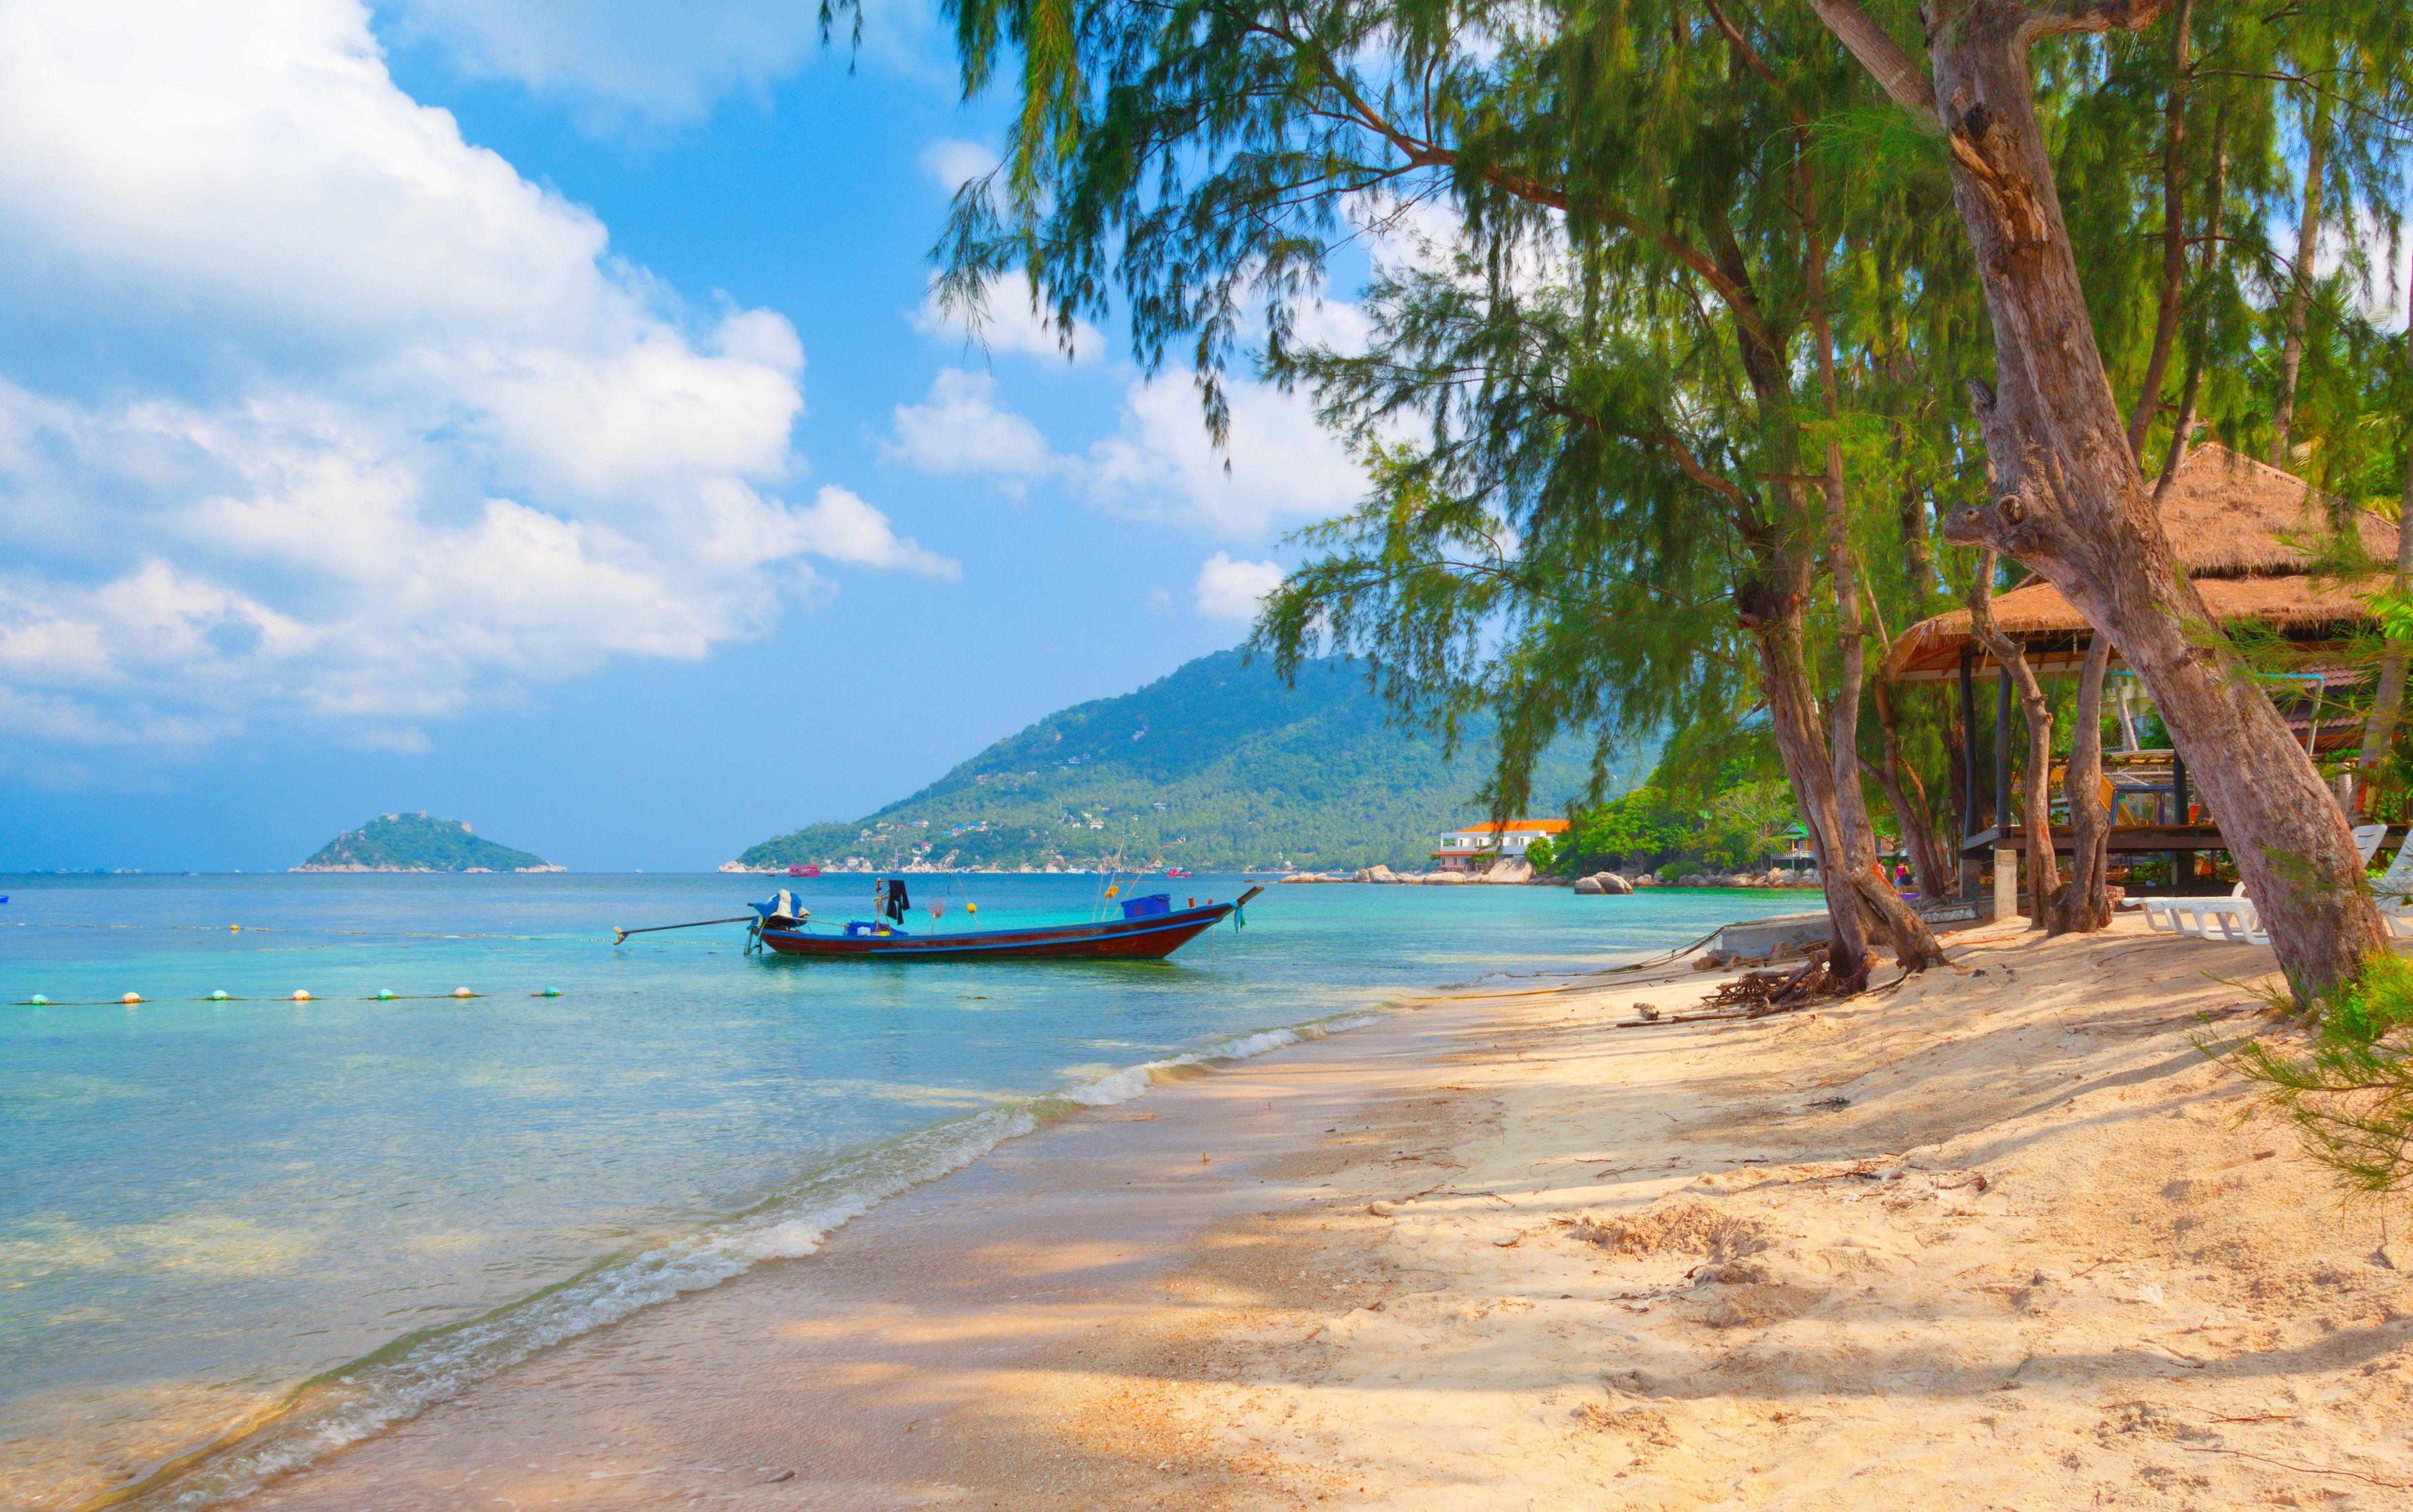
(1148, 907)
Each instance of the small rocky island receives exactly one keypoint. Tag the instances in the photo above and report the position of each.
(417, 842)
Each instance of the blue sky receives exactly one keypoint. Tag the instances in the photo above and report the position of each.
(532, 412)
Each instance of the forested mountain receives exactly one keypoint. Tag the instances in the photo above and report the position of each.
(1216, 767)
(417, 842)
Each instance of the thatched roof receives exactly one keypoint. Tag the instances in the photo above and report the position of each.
(2036, 610)
(2245, 533)
(2229, 515)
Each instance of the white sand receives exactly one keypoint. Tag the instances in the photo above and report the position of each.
(2034, 1261)
(1659, 1273)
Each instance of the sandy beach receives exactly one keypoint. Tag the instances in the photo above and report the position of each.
(1996, 1238)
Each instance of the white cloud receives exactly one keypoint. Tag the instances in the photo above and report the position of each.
(401, 739)
(618, 60)
(952, 163)
(1279, 467)
(1228, 589)
(384, 432)
(1007, 320)
(844, 528)
(960, 430)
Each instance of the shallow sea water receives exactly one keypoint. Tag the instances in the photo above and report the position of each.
(208, 1204)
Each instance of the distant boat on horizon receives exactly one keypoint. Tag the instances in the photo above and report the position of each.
(796, 870)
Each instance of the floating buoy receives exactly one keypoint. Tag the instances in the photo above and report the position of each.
(463, 992)
(550, 992)
(219, 996)
(300, 993)
(131, 997)
(384, 994)
(38, 1000)
(972, 908)
(233, 928)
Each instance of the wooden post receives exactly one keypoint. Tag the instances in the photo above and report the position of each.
(2002, 750)
(2181, 862)
(2007, 861)
(1968, 770)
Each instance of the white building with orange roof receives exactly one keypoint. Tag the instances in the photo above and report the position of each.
(1473, 848)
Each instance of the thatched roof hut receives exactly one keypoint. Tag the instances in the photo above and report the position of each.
(2249, 536)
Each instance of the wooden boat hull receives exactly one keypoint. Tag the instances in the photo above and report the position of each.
(1150, 939)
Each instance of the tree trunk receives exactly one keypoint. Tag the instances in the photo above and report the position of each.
(1936, 860)
(2069, 501)
(2215, 207)
(1802, 746)
(2388, 698)
(2299, 298)
(1913, 941)
(2044, 867)
(2165, 315)
(1906, 795)
(2084, 905)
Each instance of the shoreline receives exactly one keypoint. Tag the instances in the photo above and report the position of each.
(1992, 1237)
(418, 1370)
(906, 1309)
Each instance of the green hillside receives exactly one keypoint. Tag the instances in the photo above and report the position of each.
(1214, 767)
(415, 843)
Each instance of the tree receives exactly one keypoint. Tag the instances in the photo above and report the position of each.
(2387, 700)
(2067, 497)
(1196, 156)
(2044, 879)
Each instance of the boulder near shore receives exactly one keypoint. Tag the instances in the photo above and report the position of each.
(1602, 883)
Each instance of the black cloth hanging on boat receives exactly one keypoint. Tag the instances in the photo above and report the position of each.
(895, 906)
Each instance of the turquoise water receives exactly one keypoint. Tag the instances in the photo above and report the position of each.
(208, 1202)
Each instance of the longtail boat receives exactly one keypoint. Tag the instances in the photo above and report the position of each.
(1149, 928)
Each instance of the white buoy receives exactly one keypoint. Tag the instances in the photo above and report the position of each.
(131, 997)
(300, 993)
(463, 992)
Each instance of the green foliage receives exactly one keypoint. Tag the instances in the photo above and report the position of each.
(1216, 766)
(2350, 1092)
(1745, 827)
(1592, 418)
(1717, 801)
(416, 842)
(1542, 855)
(1639, 828)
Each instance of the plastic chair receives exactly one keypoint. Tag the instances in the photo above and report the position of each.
(2234, 918)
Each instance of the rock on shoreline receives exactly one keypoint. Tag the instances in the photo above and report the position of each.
(1517, 872)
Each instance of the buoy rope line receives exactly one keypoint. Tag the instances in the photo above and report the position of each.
(286, 929)
(129, 1000)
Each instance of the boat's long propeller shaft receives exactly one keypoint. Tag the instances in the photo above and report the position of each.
(619, 934)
